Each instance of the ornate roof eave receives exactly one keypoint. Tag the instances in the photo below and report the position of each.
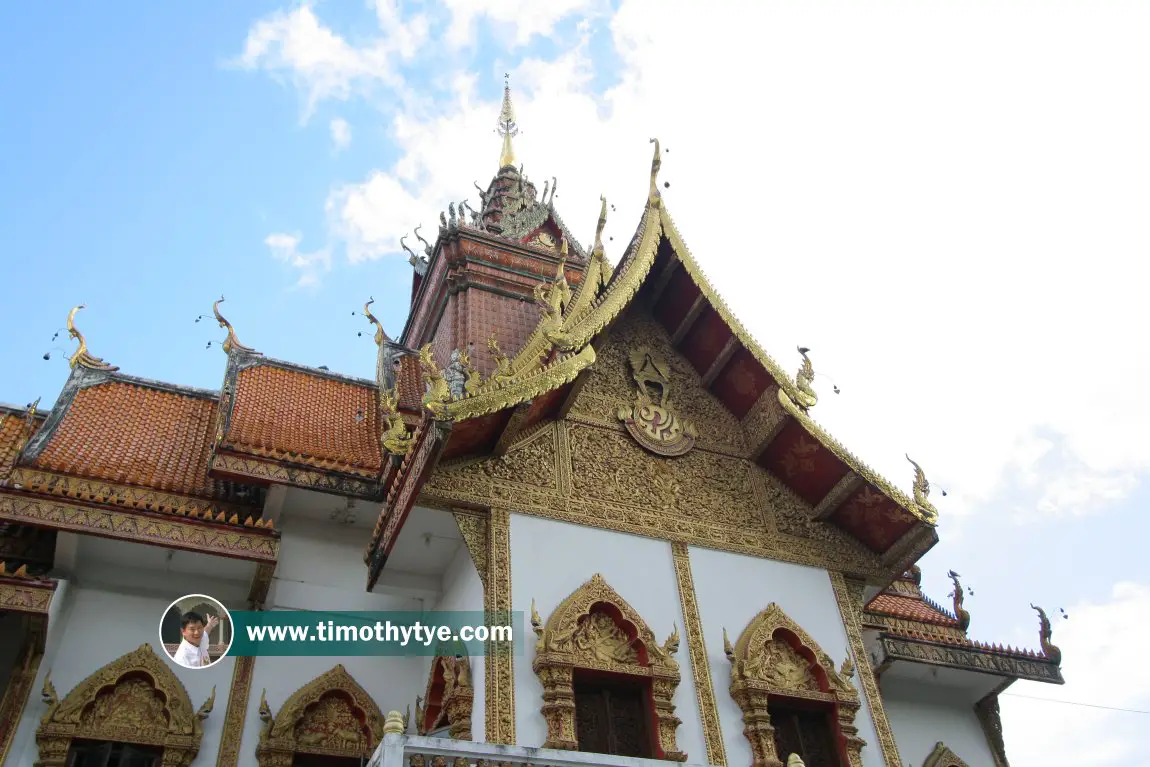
(974, 657)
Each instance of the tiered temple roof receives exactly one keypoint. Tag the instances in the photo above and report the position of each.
(142, 460)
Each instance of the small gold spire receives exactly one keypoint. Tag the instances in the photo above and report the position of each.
(231, 342)
(82, 357)
(379, 334)
(507, 127)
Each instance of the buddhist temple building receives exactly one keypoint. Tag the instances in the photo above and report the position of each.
(589, 439)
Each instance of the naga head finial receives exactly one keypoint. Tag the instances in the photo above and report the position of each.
(656, 164)
(597, 249)
(231, 342)
(426, 245)
(380, 336)
(922, 492)
(81, 357)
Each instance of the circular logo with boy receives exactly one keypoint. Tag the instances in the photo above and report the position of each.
(196, 631)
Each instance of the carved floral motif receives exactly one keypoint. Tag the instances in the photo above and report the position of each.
(653, 421)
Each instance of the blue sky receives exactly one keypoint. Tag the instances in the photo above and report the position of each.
(946, 203)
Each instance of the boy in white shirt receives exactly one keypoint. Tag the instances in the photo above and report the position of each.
(193, 649)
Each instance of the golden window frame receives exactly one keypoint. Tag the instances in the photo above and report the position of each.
(286, 734)
(775, 658)
(565, 643)
(448, 699)
(135, 699)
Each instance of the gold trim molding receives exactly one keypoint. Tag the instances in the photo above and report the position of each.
(169, 532)
(19, 687)
(26, 596)
(942, 756)
(332, 715)
(134, 699)
(448, 699)
(236, 715)
(849, 596)
(774, 657)
(700, 667)
(499, 691)
(595, 629)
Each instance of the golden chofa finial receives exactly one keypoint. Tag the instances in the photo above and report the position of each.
(82, 358)
(379, 334)
(231, 342)
(597, 249)
(507, 127)
(922, 492)
(656, 163)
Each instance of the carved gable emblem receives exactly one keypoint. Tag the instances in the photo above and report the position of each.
(652, 420)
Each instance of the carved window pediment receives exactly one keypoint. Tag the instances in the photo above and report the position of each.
(775, 657)
(449, 698)
(135, 699)
(942, 756)
(332, 715)
(595, 629)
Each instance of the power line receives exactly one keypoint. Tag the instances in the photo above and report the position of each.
(1073, 703)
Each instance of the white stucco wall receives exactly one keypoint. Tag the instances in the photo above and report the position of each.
(922, 716)
(94, 627)
(549, 560)
(731, 590)
(462, 590)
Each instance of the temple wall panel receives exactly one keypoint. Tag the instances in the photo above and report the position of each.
(11, 640)
(94, 626)
(550, 560)
(922, 715)
(731, 590)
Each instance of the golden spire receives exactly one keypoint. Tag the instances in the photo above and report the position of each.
(82, 357)
(507, 127)
(231, 342)
(379, 334)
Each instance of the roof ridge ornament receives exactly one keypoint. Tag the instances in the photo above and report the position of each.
(804, 380)
(81, 357)
(507, 127)
(380, 336)
(653, 196)
(922, 491)
(1049, 649)
(231, 342)
(962, 615)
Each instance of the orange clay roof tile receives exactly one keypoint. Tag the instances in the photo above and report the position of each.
(135, 435)
(303, 417)
(11, 429)
(409, 382)
(900, 606)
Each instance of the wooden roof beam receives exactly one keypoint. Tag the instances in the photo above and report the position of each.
(689, 320)
(834, 498)
(725, 355)
(512, 428)
(764, 421)
(661, 280)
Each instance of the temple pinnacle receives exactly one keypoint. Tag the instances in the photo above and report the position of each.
(507, 127)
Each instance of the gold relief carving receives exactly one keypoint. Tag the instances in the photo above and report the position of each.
(774, 656)
(499, 693)
(134, 699)
(765, 417)
(532, 461)
(652, 420)
(25, 597)
(130, 526)
(236, 714)
(849, 595)
(24, 669)
(448, 699)
(473, 528)
(942, 756)
(594, 628)
(700, 666)
(332, 715)
(437, 393)
(800, 457)
(396, 439)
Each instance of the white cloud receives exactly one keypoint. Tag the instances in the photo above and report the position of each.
(522, 19)
(340, 133)
(309, 266)
(322, 64)
(1101, 667)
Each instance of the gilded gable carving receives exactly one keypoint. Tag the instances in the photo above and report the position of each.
(532, 461)
(612, 384)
